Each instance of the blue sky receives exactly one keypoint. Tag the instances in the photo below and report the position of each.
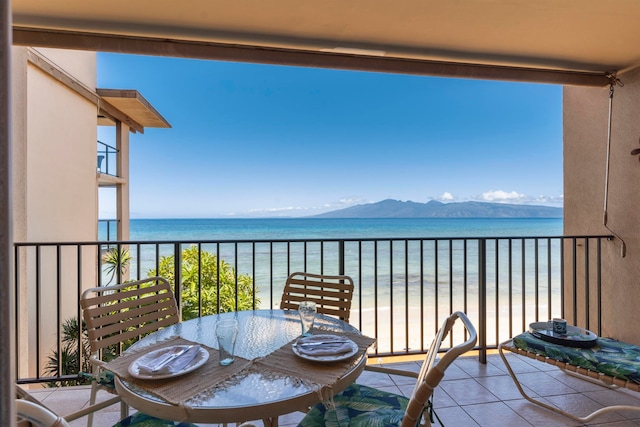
(251, 140)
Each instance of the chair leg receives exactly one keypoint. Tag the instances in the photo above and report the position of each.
(92, 401)
(270, 422)
(124, 410)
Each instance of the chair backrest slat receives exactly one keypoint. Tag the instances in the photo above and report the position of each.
(125, 335)
(111, 294)
(114, 314)
(108, 314)
(332, 294)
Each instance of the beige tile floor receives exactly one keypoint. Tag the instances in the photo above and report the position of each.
(471, 394)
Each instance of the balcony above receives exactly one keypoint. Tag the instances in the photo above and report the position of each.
(130, 107)
(107, 166)
(106, 180)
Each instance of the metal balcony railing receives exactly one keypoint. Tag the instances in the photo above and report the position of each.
(404, 287)
(107, 229)
(107, 159)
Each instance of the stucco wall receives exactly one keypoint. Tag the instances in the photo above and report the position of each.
(585, 152)
(61, 161)
(80, 64)
(55, 193)
(18, 140)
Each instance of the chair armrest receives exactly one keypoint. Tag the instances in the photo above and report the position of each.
(96, 362)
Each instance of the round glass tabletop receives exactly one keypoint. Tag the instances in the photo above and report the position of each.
(260, 332)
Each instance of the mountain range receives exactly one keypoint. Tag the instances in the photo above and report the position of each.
(433, 209)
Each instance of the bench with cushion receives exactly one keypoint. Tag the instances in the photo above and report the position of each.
(610, 363)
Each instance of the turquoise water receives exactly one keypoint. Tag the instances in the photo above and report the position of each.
(316, 228)
(384, 260)
(389, 263)
(395, 280)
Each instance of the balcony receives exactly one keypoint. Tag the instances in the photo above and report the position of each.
(471, 394)
(107, 165)
(502, 283)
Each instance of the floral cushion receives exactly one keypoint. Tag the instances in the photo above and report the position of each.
(143, 420)
(358, 406)
(610, 357)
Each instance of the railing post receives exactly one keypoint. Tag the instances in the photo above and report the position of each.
(177, 274)
(482, 300)
(341, 258)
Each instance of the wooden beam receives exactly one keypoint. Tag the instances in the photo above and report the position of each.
(114, 112)
(80, 88)
(62, 76)
(300, 58)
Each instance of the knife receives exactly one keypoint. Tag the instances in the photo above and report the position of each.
(171, 358)
(312, 344)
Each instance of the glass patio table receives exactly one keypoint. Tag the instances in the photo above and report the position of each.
(251, 395)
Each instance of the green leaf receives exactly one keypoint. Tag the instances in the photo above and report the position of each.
(616, 370)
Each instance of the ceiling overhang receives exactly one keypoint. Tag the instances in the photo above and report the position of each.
(567, 42)
(302, 58)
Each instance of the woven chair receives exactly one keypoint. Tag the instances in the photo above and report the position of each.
(115, 314)
(332, 294)
(366, 406)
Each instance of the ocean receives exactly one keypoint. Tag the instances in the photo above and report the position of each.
(329, 228)
(398, 276)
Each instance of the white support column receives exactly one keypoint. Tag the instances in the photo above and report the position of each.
(7, 338)
(122, 197)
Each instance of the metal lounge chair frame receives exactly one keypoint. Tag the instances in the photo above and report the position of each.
(575, 371)
(431, 373)
(429, 377)
(32, 411)
(38, 415)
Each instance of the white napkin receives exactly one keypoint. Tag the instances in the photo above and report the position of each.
(327, 345)
(147, 366)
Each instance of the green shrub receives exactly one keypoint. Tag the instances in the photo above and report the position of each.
(69, 355)
(211, 290)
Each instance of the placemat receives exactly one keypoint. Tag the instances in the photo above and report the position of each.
(178, 389)
(284, 361)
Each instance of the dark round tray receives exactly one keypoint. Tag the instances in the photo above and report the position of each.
(575, 337)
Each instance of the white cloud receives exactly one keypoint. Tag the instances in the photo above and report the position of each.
(547, 200)
(304, 211)
(447, 197)
(502, 196)
(283, 209)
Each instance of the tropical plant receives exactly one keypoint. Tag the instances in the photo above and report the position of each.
(213, 296)
(116, 260)
(68, 360)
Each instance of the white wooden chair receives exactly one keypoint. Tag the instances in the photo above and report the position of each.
(115, 314)
(332, 294)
